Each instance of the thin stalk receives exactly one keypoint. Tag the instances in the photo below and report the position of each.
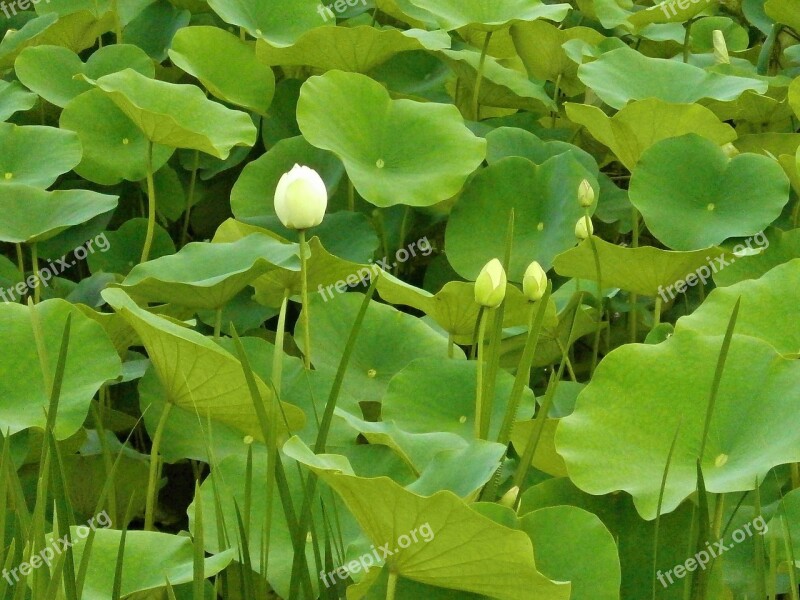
(391, 586)
(686, 38)
(556, 94)
(762, 66)
(218, 324)
(479, 78)
(37, 291)
(117, 21)
(600, 299)
(480, 427)
(151, 205)
(660, 504)
(304, 296)
(20, 261)
(657, 312)
(190, 199)
(155, 468)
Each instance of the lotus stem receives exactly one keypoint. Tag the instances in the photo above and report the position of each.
(155, 469)
(37, 288)
(479, 399)
(304, 297)
(479, 78)
(151, 205)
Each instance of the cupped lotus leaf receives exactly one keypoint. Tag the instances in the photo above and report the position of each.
(573, 545)
(359, 49)
(29, 34)
(650, 395)
(151, 559)
(624, 74)
(774, 247)
(453, 307)
(389, 341)
(29, 214)
(25, 394)
(206, 276)
(50, 70)
(667, 12)
(783, 11)
(178, 115)
(239, 79)
(794, 96)
(539, 45)
(692, 195)
(198, 375)
(14, 98)
(454, 14)
(702, 38)
(124, 247)
(395, 151)
(36, 155)
(439, 395)
(644, 270)
(544, 199)
(768, 144)
(77, 30)
(513, 141)
(114, 148)
(466, 550)
(762, 312)
(279, 24)
(500, 86)
(642, 123)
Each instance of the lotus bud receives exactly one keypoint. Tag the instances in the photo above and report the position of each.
(534, 282)
(509, 499)
(585, 194)
(301, 198)
(730, 150)
(584, 228)
(490, 286)
(720, 48)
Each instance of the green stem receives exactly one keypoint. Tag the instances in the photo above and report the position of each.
(657, 312)
(686, 38)
(155, 470)
(304, 296)
(479, 78)
(479, 425)
(762, 66)
(117, 21)
(218, 323)
(556, 94)
(37, 291)
(151, 208)
(600, 299)
(391, 586)
(190, 199)
(20, 261)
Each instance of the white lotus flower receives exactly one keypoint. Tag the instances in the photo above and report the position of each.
(301, 198)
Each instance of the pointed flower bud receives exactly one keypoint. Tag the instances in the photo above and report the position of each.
(534, 282)
(583, 228)
(301, 198)
(490, 286)
(585, 194)
(720, 48)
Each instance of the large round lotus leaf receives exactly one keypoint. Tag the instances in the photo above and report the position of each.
(702, 39)
(13, 98)
(439, 395)
(206, 276)
(573, 545)
(453, 14)
(154, 28)
(539, 45)
(29, 214)
(625, 74)
(239, 79)
(395, 151)
(198, 376)
(36, 155)
(279, 24)
(500, 86)
(114, 148)
(513, 141)
(776, 247)
(644, 270)
(125, 247)
(453, 307)
(644, 394)
(359, 49)
(544, 199)
(388, 342)
(150, 560)
(25, 393)
(465, 550)
(762, 313)
(253, 194)
(692, 195)
(50, 70)
(178, 115)
(642, 123)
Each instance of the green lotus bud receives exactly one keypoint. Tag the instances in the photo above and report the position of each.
(490, 286)
(584, 228)
(720, 48)
(301, 198)
(585, 194)
(534, 283)
(509, 499)
(730, 150)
